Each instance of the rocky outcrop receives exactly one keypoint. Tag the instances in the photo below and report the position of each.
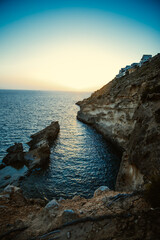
(127, 112)
(39, 153)
(15, 155)
(45, 136)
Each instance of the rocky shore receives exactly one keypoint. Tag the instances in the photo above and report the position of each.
(108, 215)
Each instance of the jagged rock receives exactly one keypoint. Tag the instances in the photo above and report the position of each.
(101, 190)
(15, 155)
(127, 112)
(38, 157)
(45, 136)
(52, 204)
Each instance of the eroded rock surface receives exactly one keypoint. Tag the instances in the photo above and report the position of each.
(110, 215)
(127, 112)
(45, 136)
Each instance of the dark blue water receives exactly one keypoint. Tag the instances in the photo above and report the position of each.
(80, 161)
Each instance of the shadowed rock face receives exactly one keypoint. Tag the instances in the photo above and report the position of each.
(15, 155)
(127, 112)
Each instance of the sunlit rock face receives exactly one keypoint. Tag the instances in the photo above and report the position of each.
(127, 112)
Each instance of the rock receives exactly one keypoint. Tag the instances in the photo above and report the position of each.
(68, 215)
(12, 189)
(45, 136)
(61, 199)
(68, 235)
(38, 157)
(4, 195)
(2, 165)
(7, 177)
(52, 204)
(101, 190)
(17, 147)
(15, 155)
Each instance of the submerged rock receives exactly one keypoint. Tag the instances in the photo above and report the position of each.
(45, 136)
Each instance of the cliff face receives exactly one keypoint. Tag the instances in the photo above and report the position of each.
(127, 112)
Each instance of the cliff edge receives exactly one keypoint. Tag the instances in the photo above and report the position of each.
(127, 112)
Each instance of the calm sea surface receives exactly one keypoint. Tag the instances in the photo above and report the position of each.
(80, 161)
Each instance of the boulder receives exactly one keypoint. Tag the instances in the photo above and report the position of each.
(101, 190)
(15, 155)
(38, 157)
(45, 136)
(52, 204)
(11, 189)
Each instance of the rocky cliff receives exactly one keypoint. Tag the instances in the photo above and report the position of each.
(127, 112)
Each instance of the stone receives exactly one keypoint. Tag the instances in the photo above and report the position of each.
(2, 165)
(12, 189)
(61, 199)
(68, 235)
(45, 136)
(68, 215)
(15, 155)
(52, 204)
(101, 190)
(38, 157)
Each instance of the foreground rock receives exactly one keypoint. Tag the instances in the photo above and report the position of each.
(110, 215)
(45, 136)
(127, 112)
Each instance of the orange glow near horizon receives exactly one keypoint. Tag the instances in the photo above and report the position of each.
(76, 54)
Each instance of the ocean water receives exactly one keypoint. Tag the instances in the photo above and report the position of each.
(81, 160)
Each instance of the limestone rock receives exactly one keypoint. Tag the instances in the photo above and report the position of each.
(101, 190)
(52, 204)
(12, 189)
(127, 112)
(45, 136)
(38, 157)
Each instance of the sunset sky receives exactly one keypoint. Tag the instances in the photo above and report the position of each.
(76, 45)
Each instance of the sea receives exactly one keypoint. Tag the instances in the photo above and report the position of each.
(81, 160)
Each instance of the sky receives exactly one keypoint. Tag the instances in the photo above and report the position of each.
(73, 45)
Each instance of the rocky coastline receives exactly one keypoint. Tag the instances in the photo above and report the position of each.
(127, 112)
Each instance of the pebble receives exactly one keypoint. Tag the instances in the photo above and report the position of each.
(68, 235)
